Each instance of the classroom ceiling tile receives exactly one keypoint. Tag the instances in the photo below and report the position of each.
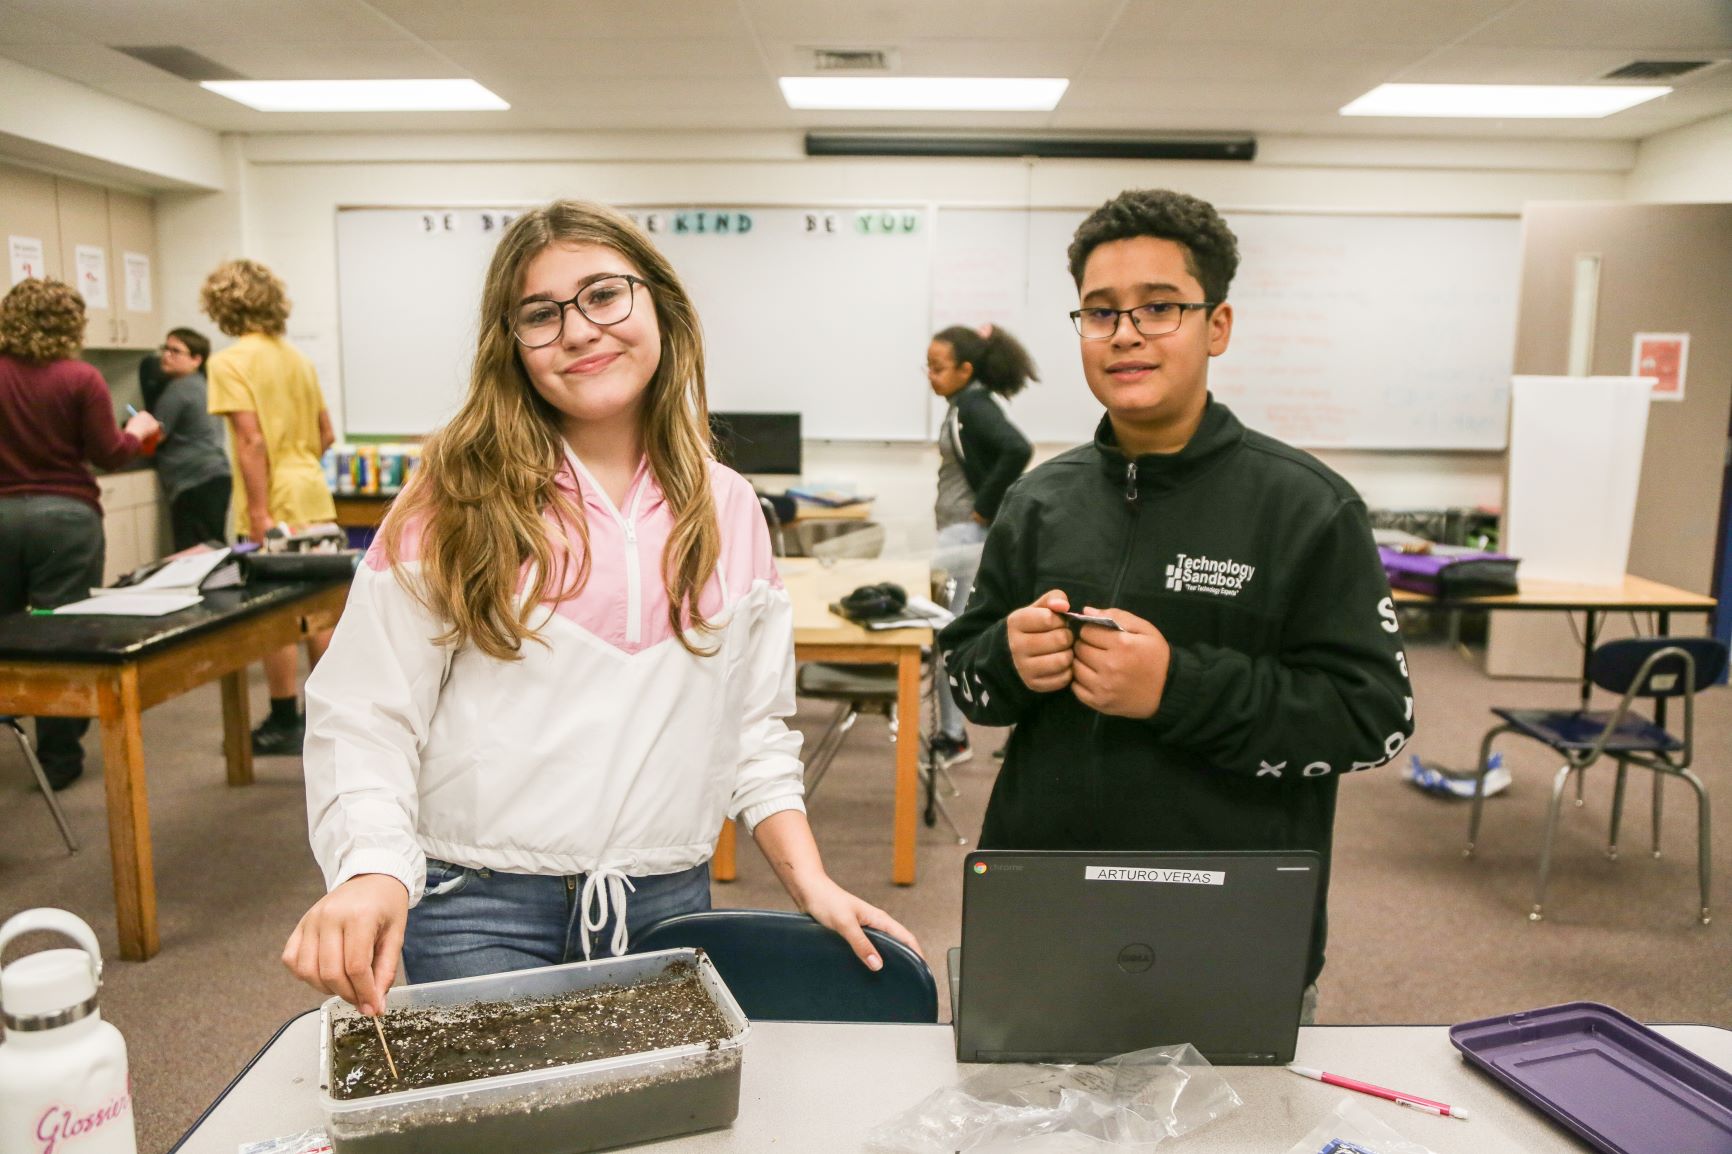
(95, 65)
(20, 24)
(704, 59)
(597, 19)
(1665, 26)
(1162, 61)
(873, 23)
(1359, 23)
(959, 57)
(323, 60)
(162, 21)
(1235, 100)
(1473, 64)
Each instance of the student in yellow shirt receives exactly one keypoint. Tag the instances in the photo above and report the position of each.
(279, 429)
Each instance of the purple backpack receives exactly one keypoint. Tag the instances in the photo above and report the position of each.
(1450, 574)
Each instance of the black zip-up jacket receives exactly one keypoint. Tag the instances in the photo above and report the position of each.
(1257, 564)
(993, 452)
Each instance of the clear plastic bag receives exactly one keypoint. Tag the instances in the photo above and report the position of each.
(1130, 1102)
(1352, 1129)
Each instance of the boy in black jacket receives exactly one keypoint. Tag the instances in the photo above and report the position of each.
(1257, 657)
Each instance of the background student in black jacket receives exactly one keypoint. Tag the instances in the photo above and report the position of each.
(1259, 658)
(979, 454)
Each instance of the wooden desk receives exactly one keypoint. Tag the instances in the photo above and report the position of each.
(818, 1086)
(114, 668)
(820, 635)
(1635, 595)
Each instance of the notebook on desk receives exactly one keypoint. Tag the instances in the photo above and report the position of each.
(1074, 956)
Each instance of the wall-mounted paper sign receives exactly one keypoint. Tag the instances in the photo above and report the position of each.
(137, 265)
(1664, 357)
(27, 257)
(92, 275)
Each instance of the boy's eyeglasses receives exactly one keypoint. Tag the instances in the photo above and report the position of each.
(602, 302)
(1151, 320)
(172, 350)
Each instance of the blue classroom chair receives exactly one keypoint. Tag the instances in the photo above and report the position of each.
(1658, 668)
(785, 967)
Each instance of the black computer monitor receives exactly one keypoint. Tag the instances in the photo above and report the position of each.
(757, 442)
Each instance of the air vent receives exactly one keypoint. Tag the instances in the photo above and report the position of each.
(178, 61)
(1649, 70)
(853, 59)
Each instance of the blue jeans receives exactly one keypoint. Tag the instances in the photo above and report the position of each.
(477, 921)
(958, 557)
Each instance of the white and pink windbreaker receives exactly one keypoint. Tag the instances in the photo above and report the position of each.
(611, 751)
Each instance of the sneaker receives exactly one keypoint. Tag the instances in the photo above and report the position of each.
(1442, 782)
(277, 737)
(949, 751)
(62, 774)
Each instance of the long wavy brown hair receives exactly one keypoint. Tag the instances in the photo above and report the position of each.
(487, 478)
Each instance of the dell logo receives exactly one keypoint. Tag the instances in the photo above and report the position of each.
(1136, 958)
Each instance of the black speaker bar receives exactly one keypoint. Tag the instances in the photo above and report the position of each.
(1060, 147)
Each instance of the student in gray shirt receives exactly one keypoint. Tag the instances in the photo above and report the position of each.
(191, 462)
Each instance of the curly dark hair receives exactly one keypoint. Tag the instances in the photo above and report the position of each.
(1211, 249)
(42, 320)
(1000, 362)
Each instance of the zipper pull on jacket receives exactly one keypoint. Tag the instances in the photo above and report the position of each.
(1131, 481)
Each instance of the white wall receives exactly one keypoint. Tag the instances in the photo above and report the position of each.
(281, 204)
(1690, 164)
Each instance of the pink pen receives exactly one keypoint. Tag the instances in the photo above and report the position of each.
(1411, 1101)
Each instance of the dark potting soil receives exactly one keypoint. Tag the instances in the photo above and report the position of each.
(441, 1045)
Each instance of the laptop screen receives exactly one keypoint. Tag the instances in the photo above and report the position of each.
(1075, 956)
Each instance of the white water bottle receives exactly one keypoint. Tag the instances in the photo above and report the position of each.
(63, 1081)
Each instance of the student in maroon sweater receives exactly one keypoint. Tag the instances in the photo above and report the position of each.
(55, 414)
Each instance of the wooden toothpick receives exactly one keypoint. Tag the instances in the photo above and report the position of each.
(379, 1025)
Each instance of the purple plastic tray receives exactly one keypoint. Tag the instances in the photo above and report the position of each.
(1619, 1085)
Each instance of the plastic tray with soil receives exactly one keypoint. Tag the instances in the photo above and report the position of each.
(556, 1060)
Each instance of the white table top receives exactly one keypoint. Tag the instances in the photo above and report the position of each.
(810, 1087)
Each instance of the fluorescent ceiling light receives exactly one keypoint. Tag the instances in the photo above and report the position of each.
(924, 93)
(358, 95)
(1502, 100)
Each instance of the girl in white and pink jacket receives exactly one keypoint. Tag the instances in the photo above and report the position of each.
(567, 657)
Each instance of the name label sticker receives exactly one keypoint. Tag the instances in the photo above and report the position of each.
(1156, 876)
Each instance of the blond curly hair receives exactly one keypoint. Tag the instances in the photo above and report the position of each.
(42, 320)
(243, 296)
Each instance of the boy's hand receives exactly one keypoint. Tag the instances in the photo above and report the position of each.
(1040, 643)
(1121, 673)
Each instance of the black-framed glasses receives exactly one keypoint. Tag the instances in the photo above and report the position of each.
(604, 301)
(1155, 319)
(165, 350)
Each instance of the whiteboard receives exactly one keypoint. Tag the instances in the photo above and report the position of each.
(1364, 332)
(825, 312)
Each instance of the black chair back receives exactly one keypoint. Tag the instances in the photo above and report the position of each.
(786, 967)
(1617, 664)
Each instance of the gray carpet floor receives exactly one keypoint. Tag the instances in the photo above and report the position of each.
(1418, 934)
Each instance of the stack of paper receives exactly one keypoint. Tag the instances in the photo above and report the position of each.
(126, 603)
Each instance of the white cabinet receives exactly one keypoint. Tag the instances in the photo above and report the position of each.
(108, 253)
(134, 521)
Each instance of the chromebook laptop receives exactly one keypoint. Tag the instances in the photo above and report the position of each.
(1074, 956)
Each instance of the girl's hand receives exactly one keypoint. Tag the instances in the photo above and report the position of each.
(835, 908)
(348, 943)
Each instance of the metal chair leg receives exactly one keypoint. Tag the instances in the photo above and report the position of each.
(825, 751)
(1558, 783)
(1581, 780)
(1617, 810)
(1704, 834)
(943, 810)
(1479, 786)
(42, 784)
(1659, 780)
